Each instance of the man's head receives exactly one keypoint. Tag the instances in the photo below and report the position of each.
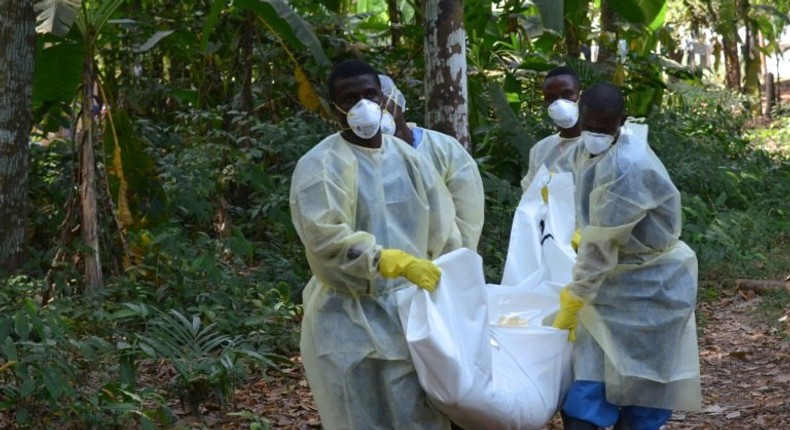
(561, 90)
(602, 112)
(602, 109)
(561, 83)
(396, 105)
(393, 97)
(350, 82)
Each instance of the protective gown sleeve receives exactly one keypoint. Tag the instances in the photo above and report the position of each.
(629, 186)
(323, 206)
(535, 160)
(460, 174)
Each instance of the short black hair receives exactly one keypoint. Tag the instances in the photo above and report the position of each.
(603, 97)
(563, 70)
(349, 69)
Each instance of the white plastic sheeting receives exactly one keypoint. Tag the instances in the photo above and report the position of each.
(540, 238)
(487, 355)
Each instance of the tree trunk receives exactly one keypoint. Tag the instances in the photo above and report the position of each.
(246, 53)
(17, 61)
(394, 13)
(732, 62)
(770, 96)
(446, 108)
(608, 37)
(89, 224)
(575, 21)
(751, 56)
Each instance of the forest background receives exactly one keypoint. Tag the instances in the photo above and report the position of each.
(149, 264)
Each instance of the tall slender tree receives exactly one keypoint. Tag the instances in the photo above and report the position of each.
(446, 108)
(17, 61)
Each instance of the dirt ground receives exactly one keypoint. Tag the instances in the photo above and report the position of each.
(745, 376)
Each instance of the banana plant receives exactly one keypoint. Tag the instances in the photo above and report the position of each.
(291, 30)
(59, 18)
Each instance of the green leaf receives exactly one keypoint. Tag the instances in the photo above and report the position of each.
(22, 326)
(508, 121)
(58, 69)
(287, 25)
(144, 198)
(27, 387)
(722, 199)
(211, 21)
(148, 350)
(660, 19)
(56, 16)
(53, 383)
(9, 349)
(187, 96)
(153, 40)
(641, 11)
(97, 16)
(551, 14)
(21, 416)
(128, 369)
(123, 314)
(6, 326)
(240, 246)
(146, 424)
(138, 308)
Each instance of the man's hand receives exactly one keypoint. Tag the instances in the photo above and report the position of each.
(423, 273)
(568, 317)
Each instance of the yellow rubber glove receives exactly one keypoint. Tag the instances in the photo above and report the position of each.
(576, 239)
(423, 273)
(568, 317)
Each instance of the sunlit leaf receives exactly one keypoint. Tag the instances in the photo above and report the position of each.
(56, 16)
(307, 94)
(153, 40)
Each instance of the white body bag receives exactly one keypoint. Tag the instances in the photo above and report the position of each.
(487, 355)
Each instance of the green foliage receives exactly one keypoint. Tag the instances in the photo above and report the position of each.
(774, 307)
(208, 363)
(734, 204)
(502, 198)
(209, 171)
(54, 375)
(288, 25)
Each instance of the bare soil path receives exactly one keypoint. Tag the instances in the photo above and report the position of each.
(745, 376)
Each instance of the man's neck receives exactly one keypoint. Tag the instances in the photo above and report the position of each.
(570, 133)
(373, 142)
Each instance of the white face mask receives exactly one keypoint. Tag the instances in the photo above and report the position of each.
(387, 124)
(597, 143)
(565, 113)
(364, 118)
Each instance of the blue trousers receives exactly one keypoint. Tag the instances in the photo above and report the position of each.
(586, 400)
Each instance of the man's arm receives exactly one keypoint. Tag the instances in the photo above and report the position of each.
(323, 207)
(462, 178)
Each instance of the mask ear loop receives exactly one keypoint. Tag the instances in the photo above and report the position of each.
(340, 109)
(342, 129)
(389, 99)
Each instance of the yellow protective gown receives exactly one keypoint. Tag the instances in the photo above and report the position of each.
(460, 174)
(347, 203)
(637, 331)
(553, 151)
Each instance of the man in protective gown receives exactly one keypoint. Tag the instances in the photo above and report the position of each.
(634, 283)
(456, 167)
(371, 213)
